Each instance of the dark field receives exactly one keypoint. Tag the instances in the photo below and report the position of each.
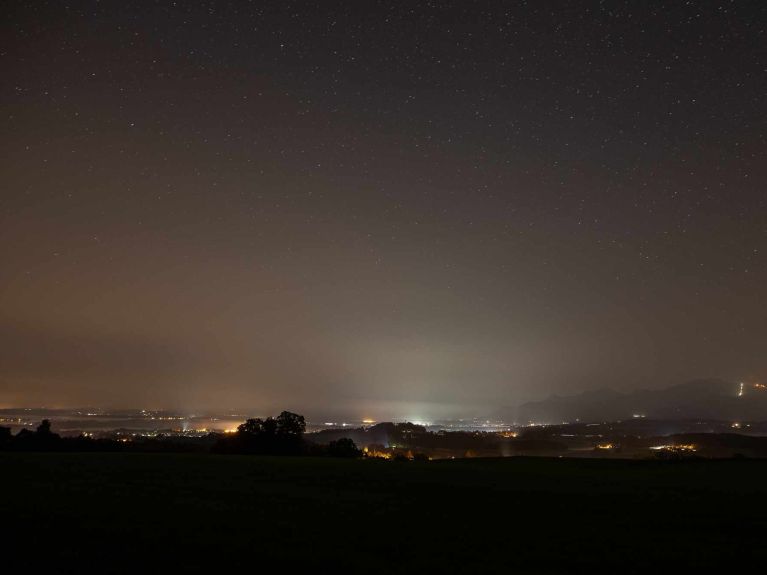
(145, 513)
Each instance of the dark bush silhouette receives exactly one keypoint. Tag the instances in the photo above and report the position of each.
(343, 447)
(24, 434)
(43, 439)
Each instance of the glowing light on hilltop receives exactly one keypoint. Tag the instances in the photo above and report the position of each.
(368, 421)
(607, 446)
(418, 421)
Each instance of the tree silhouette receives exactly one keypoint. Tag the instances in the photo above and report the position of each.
(291, 424)
(251, 427)
(343, 447)
(270, 427)
(44, 428)
(282, 435)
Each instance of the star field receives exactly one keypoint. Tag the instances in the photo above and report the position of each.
(401, 208)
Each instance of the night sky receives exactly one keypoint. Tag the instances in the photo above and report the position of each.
(389, 209)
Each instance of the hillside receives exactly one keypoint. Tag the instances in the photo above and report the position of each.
(703, 399)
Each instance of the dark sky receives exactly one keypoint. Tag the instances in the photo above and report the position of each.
(391, 208)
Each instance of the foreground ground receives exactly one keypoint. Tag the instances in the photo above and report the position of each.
(145, 513)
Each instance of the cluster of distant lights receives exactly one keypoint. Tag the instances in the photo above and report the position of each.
(675, 447)
(742, 388)
(685, 447)
(503, 429)
(376, 453)
(345, 424)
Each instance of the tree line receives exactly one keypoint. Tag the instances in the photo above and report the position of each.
(281, 435)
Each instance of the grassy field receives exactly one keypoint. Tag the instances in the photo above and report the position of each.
(145, 513)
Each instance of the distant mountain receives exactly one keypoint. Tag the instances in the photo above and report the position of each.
(702, 399)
